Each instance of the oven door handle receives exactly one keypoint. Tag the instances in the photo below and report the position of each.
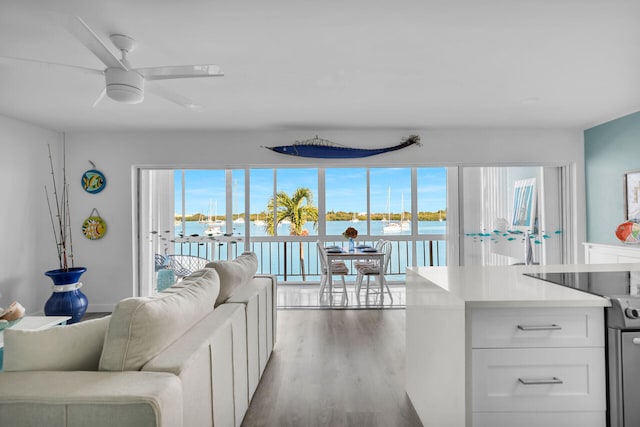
(553, 327)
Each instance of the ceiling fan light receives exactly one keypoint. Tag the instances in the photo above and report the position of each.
(125, 94)
(124, 86)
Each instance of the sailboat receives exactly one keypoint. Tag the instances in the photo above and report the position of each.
(240, 218)
(405, 224)
(258, 221)
(390, 227)
(355, 219)
(214, 226)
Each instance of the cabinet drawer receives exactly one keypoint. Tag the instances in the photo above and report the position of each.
(530, 380)
(537, 327)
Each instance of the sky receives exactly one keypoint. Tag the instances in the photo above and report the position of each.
(345, 188)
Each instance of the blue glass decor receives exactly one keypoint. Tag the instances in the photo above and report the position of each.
(66, 299)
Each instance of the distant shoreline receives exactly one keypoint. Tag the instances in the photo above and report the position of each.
(337, 216)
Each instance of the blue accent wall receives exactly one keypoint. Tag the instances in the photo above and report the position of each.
(610, 150)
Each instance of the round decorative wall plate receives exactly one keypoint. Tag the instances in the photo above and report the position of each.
(93, 181)
(628, 232)
(94, 227)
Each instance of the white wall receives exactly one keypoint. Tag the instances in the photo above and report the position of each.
(110, 260)
(28, 248)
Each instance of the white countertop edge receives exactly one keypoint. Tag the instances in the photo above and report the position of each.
(596, 302)
(550, 268)
(496, 286)
(632, 246)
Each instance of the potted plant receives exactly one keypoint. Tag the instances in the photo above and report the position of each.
(66, 299)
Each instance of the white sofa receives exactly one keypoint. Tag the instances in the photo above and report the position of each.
(168, 360)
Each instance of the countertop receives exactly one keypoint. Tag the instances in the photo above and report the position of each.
(493, 286)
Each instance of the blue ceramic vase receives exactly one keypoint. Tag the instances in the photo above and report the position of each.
(66, 303)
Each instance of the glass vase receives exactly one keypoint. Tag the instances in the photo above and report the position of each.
(352, 245)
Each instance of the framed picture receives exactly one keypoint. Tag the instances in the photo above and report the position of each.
(524, 205)
(632, 196)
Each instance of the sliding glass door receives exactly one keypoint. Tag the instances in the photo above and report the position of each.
(200, 215)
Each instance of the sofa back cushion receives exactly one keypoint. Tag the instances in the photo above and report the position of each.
(74, 347)
(234, 274)
(141, 328)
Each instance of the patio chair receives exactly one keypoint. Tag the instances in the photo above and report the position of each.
(338, 268)
(372, 269)
(183, 265)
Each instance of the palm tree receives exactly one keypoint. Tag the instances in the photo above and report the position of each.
(298, 209)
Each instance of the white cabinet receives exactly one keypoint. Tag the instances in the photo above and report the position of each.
(533, 366)
(487, 346)
(598, 253)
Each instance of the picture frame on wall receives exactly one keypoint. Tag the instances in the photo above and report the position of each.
(632, 196)
(524, 205)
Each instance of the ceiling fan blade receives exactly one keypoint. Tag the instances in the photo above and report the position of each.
(43, 64)
(174, 97)
(180, 72)
(87, 37)
(103, 92)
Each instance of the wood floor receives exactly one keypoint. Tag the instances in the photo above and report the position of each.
(335, 368)
(300, 296)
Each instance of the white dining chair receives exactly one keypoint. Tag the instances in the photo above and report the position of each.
(372, 269)
(338, 268)
(365, 263)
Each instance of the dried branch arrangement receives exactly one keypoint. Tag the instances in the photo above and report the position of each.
(59, 214)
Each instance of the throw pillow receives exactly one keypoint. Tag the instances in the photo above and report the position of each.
(141, 328)
(74, 347)
(234, 274)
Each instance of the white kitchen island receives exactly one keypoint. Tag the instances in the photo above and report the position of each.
(487, 346)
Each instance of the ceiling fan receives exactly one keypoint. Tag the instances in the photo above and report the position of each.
(123, 83)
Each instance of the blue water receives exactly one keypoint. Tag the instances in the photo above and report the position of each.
(271, 256)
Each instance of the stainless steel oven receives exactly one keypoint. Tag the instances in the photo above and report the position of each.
(622, 319)
(624, 377)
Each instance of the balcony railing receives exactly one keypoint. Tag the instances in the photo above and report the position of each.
(295, 259)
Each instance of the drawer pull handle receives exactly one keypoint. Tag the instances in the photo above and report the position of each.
(553, 327)
(529, 381)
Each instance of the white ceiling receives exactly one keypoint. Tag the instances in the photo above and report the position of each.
(301, 64)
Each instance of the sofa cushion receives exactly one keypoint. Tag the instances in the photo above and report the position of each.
(74, 347)
(141, 328)
(234, 274)
(94, 399)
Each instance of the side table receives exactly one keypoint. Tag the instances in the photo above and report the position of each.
(33, 323)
